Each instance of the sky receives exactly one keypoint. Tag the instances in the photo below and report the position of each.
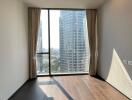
(54, 28)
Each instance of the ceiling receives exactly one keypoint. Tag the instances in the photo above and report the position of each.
(90, 4)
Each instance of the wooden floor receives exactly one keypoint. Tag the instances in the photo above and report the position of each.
(79, 87)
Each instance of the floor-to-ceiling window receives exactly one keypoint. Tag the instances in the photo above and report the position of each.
(63, 46)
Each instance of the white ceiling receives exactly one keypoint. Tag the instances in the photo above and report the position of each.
(91, 4)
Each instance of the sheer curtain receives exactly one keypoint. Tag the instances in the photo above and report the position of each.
(93, 40)
(33, 26)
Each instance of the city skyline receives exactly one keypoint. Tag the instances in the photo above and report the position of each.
(69, 47)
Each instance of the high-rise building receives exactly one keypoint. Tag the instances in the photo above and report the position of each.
(39, 60)
(39, 39)
(74, 47)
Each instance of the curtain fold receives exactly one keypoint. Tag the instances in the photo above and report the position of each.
(93, 40)
(33, 26)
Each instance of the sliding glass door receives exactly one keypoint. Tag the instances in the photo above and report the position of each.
(63, 43)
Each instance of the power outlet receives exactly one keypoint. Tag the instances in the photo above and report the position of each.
(130, 63)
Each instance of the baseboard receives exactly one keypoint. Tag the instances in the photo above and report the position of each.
(18, 89)
(98, 76)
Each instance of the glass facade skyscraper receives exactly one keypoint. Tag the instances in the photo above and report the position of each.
(74, 47)
(62, 44)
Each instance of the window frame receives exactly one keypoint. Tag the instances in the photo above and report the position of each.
(49, 47)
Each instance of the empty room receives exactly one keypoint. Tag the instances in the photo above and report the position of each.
(65, 50)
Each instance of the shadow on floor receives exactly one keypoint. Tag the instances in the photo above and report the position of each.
(31, 91)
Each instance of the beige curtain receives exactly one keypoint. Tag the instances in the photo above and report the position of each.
(33, 26)
(93, 40)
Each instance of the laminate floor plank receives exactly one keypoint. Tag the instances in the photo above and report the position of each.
(76, 87)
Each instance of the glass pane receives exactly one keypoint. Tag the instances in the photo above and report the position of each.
(42, 43)
(42, 62)
(69, 42)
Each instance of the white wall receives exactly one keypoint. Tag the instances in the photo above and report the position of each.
(65, 3)
(115, 37)
(13, 47)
